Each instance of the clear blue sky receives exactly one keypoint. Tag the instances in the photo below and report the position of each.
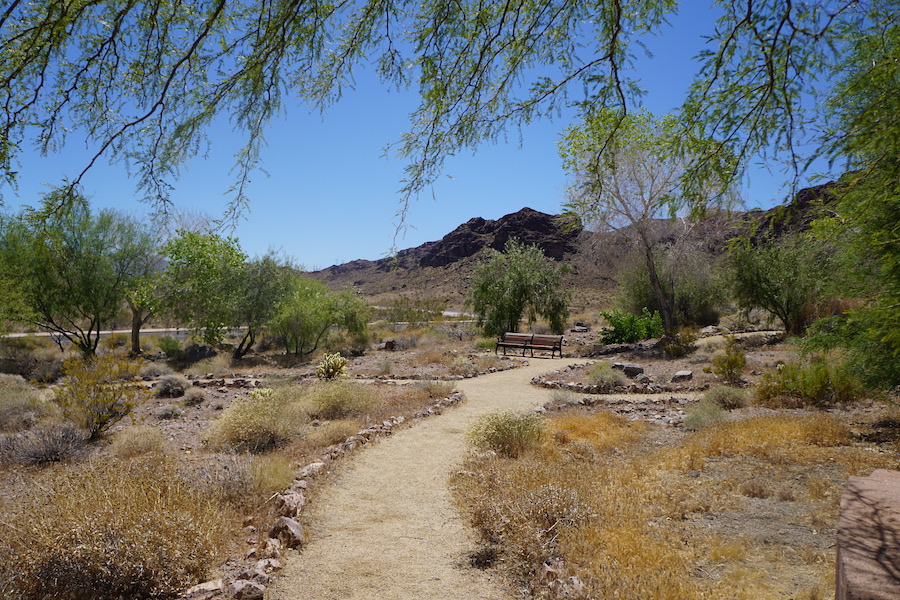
(330, 195)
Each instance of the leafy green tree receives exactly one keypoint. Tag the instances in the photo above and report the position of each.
(518, 282)
(310, 312)
(633, 181)
(203, 281)
(74, 267)
(264, 283)
(786, 277)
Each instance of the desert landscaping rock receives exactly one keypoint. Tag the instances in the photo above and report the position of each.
(243, 589)
(288, 531)
(631, 370)
(682, 376)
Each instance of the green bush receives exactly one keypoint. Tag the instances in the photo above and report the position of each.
(508, 434)
(816, 383)
(262, 421)
(339, 399)
(98, 393)
(138, 530)
(627, 328)
(485, 343)
(606, 377)
(333, 366)
(725, 397)
(730, 364)
(680, 343)
(706, 413)
(171, 347)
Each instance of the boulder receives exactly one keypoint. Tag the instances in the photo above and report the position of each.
(630, 369)
(204, 591)
(290, 504)
(682, 376)
(288, 531)
(311, 470)
(242, 589)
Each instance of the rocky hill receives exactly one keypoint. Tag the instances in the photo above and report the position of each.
(441, 269)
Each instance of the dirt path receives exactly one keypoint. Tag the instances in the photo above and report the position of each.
(388, 529)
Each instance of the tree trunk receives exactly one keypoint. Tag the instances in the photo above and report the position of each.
(665, 308)
(246, 343)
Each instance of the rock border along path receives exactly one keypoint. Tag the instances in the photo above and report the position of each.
(386, 527)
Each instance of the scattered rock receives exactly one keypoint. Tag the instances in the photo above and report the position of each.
(288, 531)
(631, 370)
(311, 470)
(682, 376)
(204, 591)
(290, 503)
(243, 589)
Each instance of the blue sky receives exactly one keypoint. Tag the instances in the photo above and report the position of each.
(330, 195)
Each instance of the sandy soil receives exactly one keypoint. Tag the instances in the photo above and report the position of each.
(386, 527)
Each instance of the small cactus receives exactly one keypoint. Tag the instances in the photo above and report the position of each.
(333, 366)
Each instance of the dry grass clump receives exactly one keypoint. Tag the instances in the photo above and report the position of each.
(264, 420)
(327, 434)
(339, 399)
(271, 473)
(218, 364)
(134, 530)
(728, 398)
(707, 412)
(19, 406)
(155, 369)
(508, 434)
(606, 377)
(137, 441)
(172, 386)
(462, 365)
(194, 396)
(49, 442)
(605, 431)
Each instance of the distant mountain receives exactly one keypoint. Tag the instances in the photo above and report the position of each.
(442, 269)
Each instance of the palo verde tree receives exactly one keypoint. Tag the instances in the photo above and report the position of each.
(631, 182)
(310, 313)
(519, 282)
(75, 267)
(264, 283)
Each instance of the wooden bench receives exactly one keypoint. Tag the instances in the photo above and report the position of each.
(530, 341)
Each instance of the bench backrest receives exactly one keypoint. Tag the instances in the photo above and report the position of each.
(554, 341)
(516, 338)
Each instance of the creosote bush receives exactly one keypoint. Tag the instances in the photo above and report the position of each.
(725, 397)
(606, 377)
(136, 529)
(100, 392)
(730, 364)
(508, 434)
(680, 342)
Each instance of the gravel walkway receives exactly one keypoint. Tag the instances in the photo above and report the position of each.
(387, 528)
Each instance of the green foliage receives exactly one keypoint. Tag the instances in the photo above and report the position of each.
(333, 366)
(264, 420)
(414, 312)
(485, 343)
(817, 382)
(606, 377)
(725, 397)
(786, 278)
(730, 364)
(98, 393)
(628, 328)
(518, 282)
(311, 313)
(680, 342)
(339, 399)
(74, 267)
(111, 529)
(203, 282)
(706, 413)
(264, 282)
(508, 434)
(171, 347)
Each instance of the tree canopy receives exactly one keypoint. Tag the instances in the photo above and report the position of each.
(143, 81)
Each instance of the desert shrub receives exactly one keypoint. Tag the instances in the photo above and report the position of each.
(113, 341)
(154, 369)
(339, 399)
(19, 409)
(48, 443)
(484, 363)
(563, 397)
(485, 343)
(606, 377)
(680, 342)
(171, 347)
(461, 365)
(194, 396)
(271, 473)
(172, 386)
(730, 364)
(725, 397)
(98, 393)
(333, 366)
(703, 415)
(508, 434)
(136, 441)
(626, 328)
(384, 366)
(134, 530)
(220, 363)
(262, 421)
(816, 383)
(603, 431)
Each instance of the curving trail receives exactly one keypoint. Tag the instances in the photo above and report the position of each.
(387, 528)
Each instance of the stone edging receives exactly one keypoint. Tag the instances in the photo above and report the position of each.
(250, 583)
(545, 381)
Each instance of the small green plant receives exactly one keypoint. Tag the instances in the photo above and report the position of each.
(627, 328)
(171, 347)
(384, 366)
(508, 434)
(725, 397)
(260, 422)
(606, 377)
(172, 386)
(98, 393)
(333, 366)
(680, 342)
(703, 415)
(485, 343)
(730, 364)
(816, 383)
(461, 365)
